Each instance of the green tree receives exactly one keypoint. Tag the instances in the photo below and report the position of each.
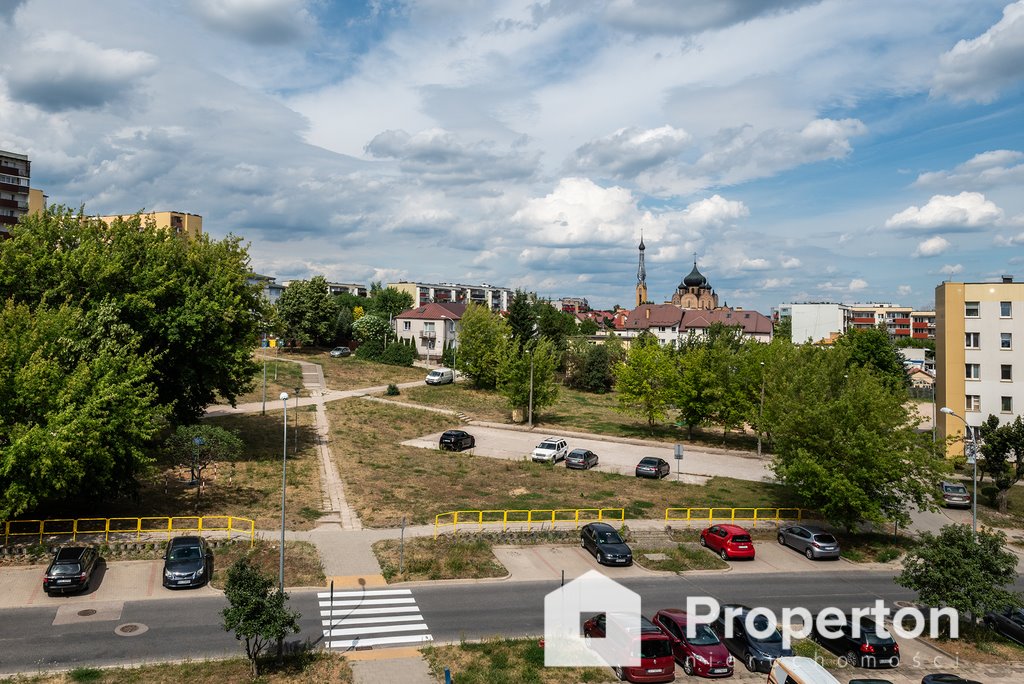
(693, 386)
(257, 612)
(372, 328)
(343, 324)
(783, 329)
(388, 302)
(1002, 451)
(872, 348)
(309, 312)
(522, 318)
(556, 326)
(77, 406)
(955, 569)
(481, 334)
(188, 300)
(198, 446)
(845, 441)
(644, 382)
(588, 327)
(513, 380)
(589, 367)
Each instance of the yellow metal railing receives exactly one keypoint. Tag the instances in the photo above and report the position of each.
(752, 514)
(75, 527)
(526, 517)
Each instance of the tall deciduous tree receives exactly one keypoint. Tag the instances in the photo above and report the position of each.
(514, 372)
(522, 318)
(872, 348)
(481, 334)
(388, 302)
(188, 300)
(257, 611)
(644, 382)
(309, 312)
(1002, 449)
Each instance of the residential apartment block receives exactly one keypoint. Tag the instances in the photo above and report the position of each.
(573, 305)
(268, 285)
(431, 327)
(494, 298)
(15, 171)
(816, 322)
(824, 321)
(348, 288)
(177, 222)
(671, 324)
(979, 350)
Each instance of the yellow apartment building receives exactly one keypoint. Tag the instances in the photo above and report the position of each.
(179, 223)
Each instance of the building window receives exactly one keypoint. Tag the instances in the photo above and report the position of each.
(972, 310)
(1006, 405)
(1006, 340)
(428, 327)
(972, 340)
(973, 371)
(407, 325)
(1006, 372)
(1005, 310)
(973, 402)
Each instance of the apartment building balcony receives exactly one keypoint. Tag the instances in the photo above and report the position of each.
(428, 335)
(862, 320)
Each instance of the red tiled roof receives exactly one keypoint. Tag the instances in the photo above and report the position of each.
(752, 322)
(656, 315)
(434, 311)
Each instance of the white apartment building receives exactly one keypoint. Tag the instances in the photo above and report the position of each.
(493, 297)
(817, 321)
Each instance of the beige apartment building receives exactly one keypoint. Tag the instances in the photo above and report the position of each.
(979, 352)
(179, 223)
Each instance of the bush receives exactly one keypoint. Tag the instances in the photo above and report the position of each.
(990, 492)
(371, 350)
(392, 390)
(397, 354)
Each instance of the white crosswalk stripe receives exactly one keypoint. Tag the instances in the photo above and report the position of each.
(375, 617)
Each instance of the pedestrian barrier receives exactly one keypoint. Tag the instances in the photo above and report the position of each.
(120, 527)
(752, 514)
(524, 516)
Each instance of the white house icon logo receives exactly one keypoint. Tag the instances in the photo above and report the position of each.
(564, 645)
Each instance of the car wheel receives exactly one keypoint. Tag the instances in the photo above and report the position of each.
(782, 539)
(852, 659)
(583, 544)
(688, 665)
(472, 443)
(703, 542)
(751, 663)
(809, 554)
(724, 555)
(600, 558)
(620, 674)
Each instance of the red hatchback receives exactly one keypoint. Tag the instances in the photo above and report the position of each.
(729, 541)
(704, 655)
(652, 645)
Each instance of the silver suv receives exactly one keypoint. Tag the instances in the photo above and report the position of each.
(551, 450)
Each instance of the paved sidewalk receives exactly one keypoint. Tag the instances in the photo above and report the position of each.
(390, 666)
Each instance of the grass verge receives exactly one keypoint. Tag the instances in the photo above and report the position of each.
(873, 547)
(283, 375)
(979, 644)
(386, 481)
(352, 373)
(302, 566)
(312, 666)
(506, 661)
(446, 557)
(688, 556)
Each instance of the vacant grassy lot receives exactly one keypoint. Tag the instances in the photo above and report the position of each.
(506, 661)
(302, 566)
(353, 373)
(386, 481)
(314, 666)
(249, 487)
(873, 547)
(573, 411)
(443, 558)
(688, 556)
(283, 375)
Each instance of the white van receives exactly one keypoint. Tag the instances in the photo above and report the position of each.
(799, 670)
(440, 376)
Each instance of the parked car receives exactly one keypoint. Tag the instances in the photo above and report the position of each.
(604, 542)
(188, 562)
(757, 653)
(703, 655)
(799, 670)
(551, 450)
(868, 649)
(441, 376)
(341, 351)
(728, 541)
(581, 459)
(870, 680)
(955, 495)
(1009, 622)
(946, 678)
(651, 644)
(814, 542)
(70, 570)
(650, 466)
(456, 440)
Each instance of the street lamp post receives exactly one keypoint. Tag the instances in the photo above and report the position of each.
(974, 448)
(284, 482)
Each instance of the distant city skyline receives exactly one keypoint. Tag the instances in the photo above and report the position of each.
(806, 150)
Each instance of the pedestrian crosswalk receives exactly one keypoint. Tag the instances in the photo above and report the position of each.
(374, 617)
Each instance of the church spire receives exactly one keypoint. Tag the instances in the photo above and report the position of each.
(641, 275)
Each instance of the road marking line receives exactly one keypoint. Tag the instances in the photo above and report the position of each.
(372, 620)
(380, 641)
(372, 611)
(374, 630)
(367, 602)
(369, 592)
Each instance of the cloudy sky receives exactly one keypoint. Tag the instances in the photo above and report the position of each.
(804, 150)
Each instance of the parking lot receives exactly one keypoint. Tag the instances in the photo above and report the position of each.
(614, 456)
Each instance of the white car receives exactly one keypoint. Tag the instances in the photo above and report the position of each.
(551, 450)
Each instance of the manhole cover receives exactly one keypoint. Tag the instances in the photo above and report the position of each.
(130, 629)
(87, 612)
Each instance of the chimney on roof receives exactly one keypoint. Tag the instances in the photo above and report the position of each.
(1007, 278)
(648, 312)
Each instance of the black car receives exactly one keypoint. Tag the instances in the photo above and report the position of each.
(581, 459)
(946, 678)
(867, 649)
(456, 440)
(70, 570)
(604, 542)
(756, 653)
(1009, 622)
(188, 562)
(652, 467)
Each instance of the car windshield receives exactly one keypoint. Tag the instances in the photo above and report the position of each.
(654, 648)
(955, 489)
(741, 538)
(761, 624)
(704, 637)
(824, 539)
(184, 553)
(608, 538)
(649, 461)
(548, 445)
(65, 569)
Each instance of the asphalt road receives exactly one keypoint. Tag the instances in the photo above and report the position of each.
(190, 626)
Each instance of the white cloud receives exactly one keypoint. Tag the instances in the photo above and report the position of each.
(904, 290)
(951, 269)
(855, 285)
(714, 211)
(664, 16)
(629, 151)
(776, 283)
(790, 262)
(1011, 240)
(949, 212)
(262, 22)
(932, 247)
(985, 170)
(979, 68)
